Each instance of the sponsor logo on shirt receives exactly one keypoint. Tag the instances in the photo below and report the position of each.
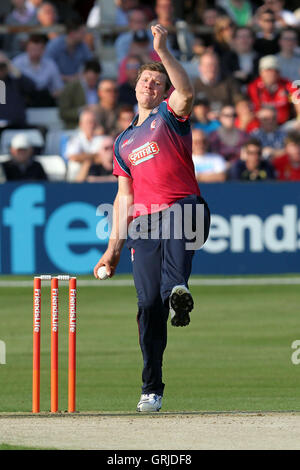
(143, 153)
(127, 142)
(153, 124)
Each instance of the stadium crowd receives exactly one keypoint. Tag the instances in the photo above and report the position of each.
(64, 102)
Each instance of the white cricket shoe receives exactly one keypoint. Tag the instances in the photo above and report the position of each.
(181, 304)
(149, 402)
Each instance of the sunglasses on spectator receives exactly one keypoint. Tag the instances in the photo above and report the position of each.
(268, 20)
(108, 147)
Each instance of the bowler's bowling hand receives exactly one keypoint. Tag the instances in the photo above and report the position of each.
(159, 38)
(110, 260)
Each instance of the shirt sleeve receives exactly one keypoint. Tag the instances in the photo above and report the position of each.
(179, 124)
(119, 166)
(73, 147)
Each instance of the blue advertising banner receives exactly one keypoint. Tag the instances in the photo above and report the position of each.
(60, 227)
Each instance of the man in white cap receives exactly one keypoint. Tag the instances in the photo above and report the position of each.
(21, 165)
(271, 89)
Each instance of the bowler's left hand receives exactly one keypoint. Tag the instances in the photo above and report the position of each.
(159, 38)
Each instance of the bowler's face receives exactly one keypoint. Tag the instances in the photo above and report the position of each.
(150, 89)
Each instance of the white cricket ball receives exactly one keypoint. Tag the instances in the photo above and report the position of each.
(102, 273)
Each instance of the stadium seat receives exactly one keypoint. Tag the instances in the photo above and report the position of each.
(48, 117)
(56, 141)
(54, 167)
(34, 135)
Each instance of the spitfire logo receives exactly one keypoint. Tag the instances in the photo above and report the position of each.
(143, 153)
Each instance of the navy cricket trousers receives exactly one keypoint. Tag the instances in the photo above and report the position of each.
(160, 261)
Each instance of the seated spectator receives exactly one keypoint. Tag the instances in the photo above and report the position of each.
(227, 140)
(269, 134)
(266, 42)
(79, 93)
(140, 46)
(240, 11)
(288, 165)
(127, 88)
(99, 170)
(21, 165)
(47, 17)
(210, 83)
(21, 15)
(210, 16)
(199, 47)
(200, 116)
(18, 89)
(124, 7)
(242, 61)
(41, 70)
(69, 51)
(271, 89)
(124, 118)
(288, 59)
(246, 119)
(283, 17)
(137, 22)
(251, 167)
(209, 167)
(107, 108)
(223, 35)
(85, 144)
(180, 39)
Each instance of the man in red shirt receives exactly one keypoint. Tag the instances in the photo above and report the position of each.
(153, 163)
(271, 89)
(288, 165)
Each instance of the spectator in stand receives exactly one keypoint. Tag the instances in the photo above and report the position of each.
(42, 71)
(18, 89)
(199, 47)
(47, 17)
(21, 15)
(240, 11)
(124, 119)
(246, 119)
(137, 22)
(271, 89)
(266, 42)
(100, 168)
(180, 39)
(86, 143)
(200, 116)
(69, 51)
(21, 166)
(209, 167)
(251, 167)
(283, 17)
(288, 59)
(269, 134)
(223, 35)
(80, 93)
(227, 140)
(210, 83)
(107, 108)
(210, 16)
(140, 46)
(288, 165)
(123, 10)
(242, 61)
(127, 88)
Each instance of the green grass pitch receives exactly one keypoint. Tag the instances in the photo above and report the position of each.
(235, 354)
